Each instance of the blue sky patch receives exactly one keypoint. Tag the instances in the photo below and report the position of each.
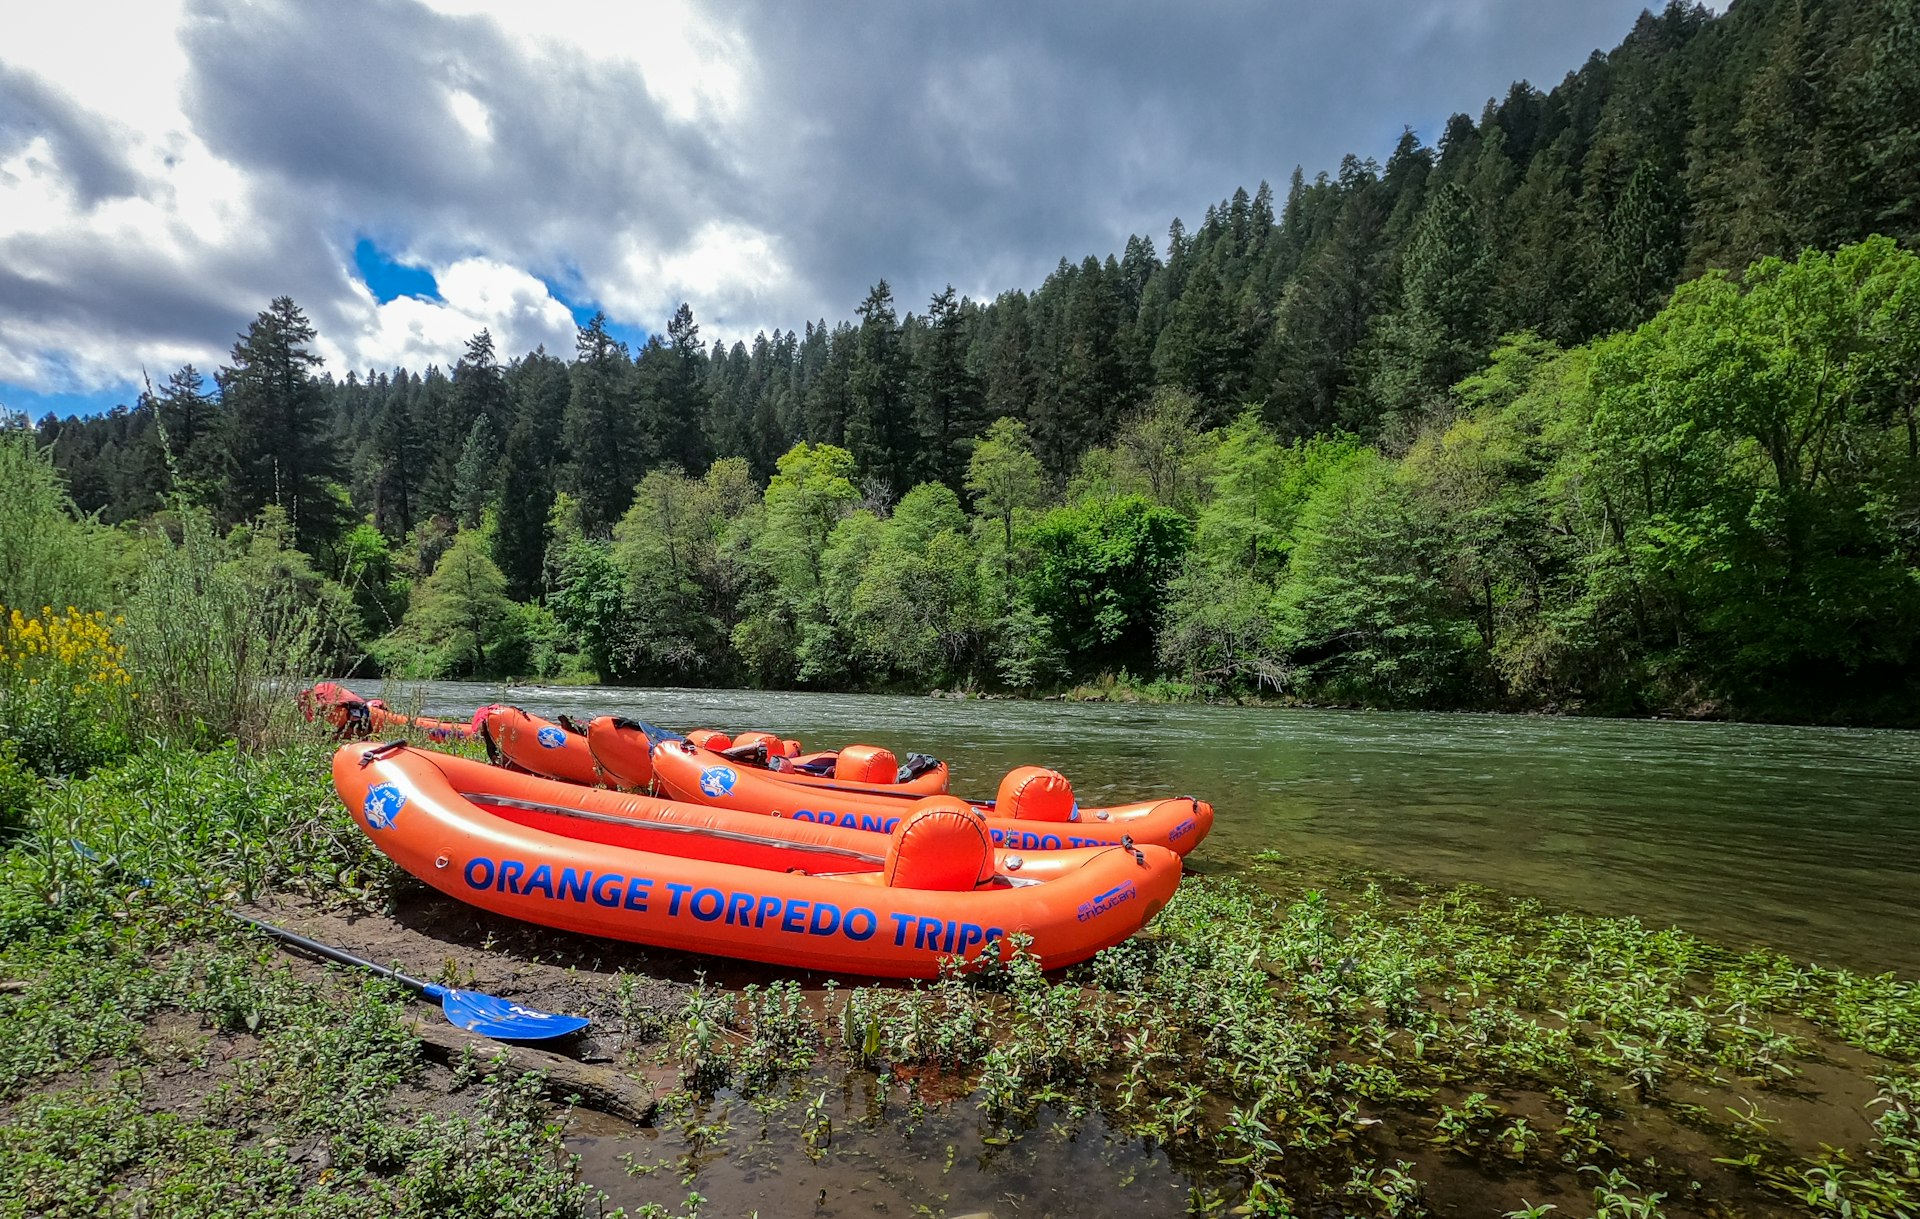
(390, 279)
(36, 404)
(635, 337)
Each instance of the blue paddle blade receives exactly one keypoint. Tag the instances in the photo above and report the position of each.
(502, 1019)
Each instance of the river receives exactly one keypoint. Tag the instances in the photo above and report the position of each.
(1802, 839)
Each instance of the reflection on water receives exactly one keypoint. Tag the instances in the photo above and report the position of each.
(1804, 839)
(854, 1147)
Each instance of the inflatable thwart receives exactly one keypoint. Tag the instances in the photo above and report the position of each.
(735, 884)
(1035, 809)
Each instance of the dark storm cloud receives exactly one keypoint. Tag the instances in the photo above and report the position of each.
(923, 143)
(352, 101)
(980, 143)
(84, 145)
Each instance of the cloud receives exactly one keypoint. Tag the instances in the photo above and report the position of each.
(765, 162)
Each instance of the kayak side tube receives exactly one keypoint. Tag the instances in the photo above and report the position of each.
(690, 773)
(540, 746)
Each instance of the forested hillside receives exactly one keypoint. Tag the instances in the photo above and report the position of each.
(1437, 431)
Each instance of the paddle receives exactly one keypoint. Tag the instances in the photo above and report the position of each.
(475, 1011)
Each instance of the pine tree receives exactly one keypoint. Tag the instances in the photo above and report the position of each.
(1443, 329)
(880, 415)
(526, 498)
(282, 452)
(601, 428)
(946, 395)
(473, 474)
(1644, 249)
(190, 426)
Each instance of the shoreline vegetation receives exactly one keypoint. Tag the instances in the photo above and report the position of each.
(1298, 1037)
(1289, 1040)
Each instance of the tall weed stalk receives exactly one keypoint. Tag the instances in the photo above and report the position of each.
(217, 653)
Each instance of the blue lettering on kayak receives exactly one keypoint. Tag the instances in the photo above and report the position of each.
(1182, 830)
(1122, 892)
(948, 937)
(736, 908)
(878, 823)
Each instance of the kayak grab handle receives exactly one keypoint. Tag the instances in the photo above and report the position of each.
(381, 751)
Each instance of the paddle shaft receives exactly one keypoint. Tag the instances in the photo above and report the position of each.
(335, 954)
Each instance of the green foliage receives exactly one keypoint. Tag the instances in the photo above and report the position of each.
(1098, 567)
(215, 639)
(460, 622)
(19, 787)
(1363, 612)
(49, 556)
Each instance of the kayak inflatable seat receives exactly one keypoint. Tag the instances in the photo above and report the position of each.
(1034, 793)
(866, 764)
(942, 844)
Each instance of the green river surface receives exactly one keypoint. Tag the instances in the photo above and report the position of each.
(1802, 839)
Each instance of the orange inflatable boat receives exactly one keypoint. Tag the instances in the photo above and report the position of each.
(352, 715)
(742, 885)
(524, 741)
(623, 755)
(1035, 809)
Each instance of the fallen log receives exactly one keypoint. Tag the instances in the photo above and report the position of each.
(564, 1080)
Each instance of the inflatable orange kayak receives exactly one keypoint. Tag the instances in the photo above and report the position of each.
(1035, 809)
(538, 746)
(623, 755)
(742, 885)
(352, 715)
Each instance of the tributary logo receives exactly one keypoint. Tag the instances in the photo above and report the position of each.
(1124, 892)
(383, 804)
(552, 738)
(717, 780)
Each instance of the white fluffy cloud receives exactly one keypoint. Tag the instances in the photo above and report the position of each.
(169, 166)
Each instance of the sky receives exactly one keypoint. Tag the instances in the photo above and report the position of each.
(411, 171)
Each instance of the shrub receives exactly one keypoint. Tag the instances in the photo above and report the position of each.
(64, 690)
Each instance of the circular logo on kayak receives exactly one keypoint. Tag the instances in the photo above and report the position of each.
(383, 804)
(552, 738)
(717, 780)
(1075, 814)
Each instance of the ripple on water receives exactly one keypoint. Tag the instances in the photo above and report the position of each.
(1805, 839)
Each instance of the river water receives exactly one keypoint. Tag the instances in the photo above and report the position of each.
(1802, 839)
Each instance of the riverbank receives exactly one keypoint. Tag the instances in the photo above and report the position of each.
(1297, 1036)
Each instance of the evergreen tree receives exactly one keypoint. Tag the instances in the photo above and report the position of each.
(1644, 248)
(190, 426)
(520, 527)
(946, 395)
(282, 452)
(473, 474)
(601, 428)
(880, 432)
(1443, 328)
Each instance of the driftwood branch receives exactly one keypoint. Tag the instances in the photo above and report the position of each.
(597, 1087)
